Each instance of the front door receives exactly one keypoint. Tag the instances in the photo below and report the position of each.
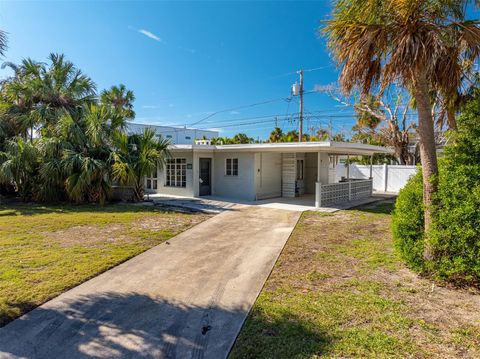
(205, 176)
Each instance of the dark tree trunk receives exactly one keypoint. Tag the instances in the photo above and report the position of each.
(428, 154)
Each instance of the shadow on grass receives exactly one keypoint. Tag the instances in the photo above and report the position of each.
(30, 209)
(381, 207)
(287, 336)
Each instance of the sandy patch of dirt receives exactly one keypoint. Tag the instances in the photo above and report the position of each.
(90, 235)
(315, 260)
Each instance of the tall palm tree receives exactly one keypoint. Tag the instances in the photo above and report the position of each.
(121, 100)
(423, 45)
(38, 94)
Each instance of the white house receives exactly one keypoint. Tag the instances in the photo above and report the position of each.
(252, 172)
(176, 135)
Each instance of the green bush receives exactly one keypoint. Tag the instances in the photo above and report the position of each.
(455, 232)
(407, 222)
(456, 229)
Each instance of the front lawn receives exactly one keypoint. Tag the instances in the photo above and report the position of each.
(339, 290)
(45, 250)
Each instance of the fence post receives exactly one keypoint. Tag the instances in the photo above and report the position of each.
(385, 177)
(349, 190)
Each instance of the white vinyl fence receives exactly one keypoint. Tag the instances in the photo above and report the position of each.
(386, 178)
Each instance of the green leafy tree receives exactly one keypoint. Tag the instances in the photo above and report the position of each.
(423, 45)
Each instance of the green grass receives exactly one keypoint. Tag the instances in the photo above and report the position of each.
(45, 250)
(339, 290)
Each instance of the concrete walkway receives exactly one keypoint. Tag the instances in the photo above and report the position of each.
(186, 298)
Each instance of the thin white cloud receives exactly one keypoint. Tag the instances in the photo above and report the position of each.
(234, 113)
(331, 87)
(151, 35)
(149, 106)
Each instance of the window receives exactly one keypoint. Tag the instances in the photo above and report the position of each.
(169, 136)
(299, 170)
(188, 138)
(176, 172)
(152, 180)
(231, 168)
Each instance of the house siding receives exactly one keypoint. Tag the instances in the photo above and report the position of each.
(235, 187)
(268, 175)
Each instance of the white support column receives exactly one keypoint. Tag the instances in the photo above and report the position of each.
(385, 177)
(348, 167)
(318, 184)
(318, 194)
(371, 165)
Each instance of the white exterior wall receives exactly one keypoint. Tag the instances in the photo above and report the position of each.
(310, 174)
(187, 191)
(386, 178)
(235, 187)
(268, 175)
(324, 164)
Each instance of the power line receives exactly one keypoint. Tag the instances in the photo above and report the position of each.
(240, 107)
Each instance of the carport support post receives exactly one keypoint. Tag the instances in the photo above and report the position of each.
(318, 194)
(348, 167)
(371, 165)
(318, 184)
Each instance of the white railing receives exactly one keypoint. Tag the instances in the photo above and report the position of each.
(332, 193)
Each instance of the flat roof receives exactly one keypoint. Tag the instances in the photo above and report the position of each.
(342, 148)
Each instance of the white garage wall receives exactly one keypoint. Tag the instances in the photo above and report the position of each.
(235, 187)
(268, 178)
(386, 178)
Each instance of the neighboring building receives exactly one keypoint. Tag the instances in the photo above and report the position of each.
(176, 135)
(259, 171)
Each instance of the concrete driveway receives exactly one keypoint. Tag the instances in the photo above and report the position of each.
(186, 298)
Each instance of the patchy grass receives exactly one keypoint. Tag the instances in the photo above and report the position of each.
(45, 250)
(339, 290)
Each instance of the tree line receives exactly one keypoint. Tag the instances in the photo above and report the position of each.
(62, 140)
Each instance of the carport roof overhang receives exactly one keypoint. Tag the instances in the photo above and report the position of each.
(331, 147)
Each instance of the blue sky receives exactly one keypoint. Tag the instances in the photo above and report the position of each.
(185, 60)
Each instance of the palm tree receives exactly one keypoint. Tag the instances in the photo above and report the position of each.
(3, 42)
(137, 156)
(241, 138)
(18, 166)
(276, 135)
(38, 94)
(121, 100)
(423, 45)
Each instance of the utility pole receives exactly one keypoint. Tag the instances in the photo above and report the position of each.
(300, 117)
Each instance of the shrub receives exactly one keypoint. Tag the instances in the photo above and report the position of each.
(455, 232)
(407, 222)
(456, 228)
